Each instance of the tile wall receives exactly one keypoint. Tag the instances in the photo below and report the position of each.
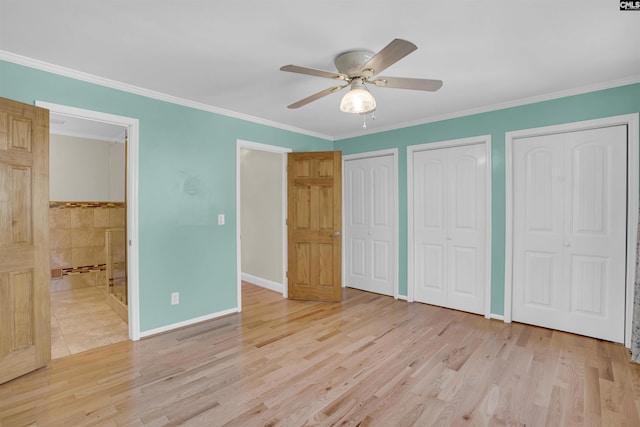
(77, 242)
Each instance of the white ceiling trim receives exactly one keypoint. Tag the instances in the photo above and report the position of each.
(509, 104)
(90, 78)
(101, 81)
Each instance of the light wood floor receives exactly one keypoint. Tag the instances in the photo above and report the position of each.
(367, 361)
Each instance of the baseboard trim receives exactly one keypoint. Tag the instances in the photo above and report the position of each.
(189, 322)
(264, 283)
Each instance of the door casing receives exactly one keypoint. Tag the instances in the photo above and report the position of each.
(283, 152)
(631, 121)
(133, 273)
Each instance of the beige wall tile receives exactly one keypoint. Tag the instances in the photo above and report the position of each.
(60, 258)
(117, 217)
(101, 278)
(101, 217)
(81, 237)
(59, 238)
(59, 218)
(101, 255)
(83, 280)
(83, 256)
(81, 217)
(97, 237)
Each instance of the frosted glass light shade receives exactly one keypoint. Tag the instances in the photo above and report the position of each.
(358, 100)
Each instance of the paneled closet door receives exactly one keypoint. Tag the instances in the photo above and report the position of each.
(370, 213)
(450, 227)
(569, 220)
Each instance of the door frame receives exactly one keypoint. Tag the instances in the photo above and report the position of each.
(283, 152)
(631, 121)
(133, 267)
(484, 140)
(396, 259)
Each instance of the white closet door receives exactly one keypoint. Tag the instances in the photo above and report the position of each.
(370, 224)
(450, 227)
(570, 231)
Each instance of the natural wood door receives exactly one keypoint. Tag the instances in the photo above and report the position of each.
(25, 337)
(315, 225)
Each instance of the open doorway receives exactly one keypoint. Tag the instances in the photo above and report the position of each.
(261, 215)
(92, 224)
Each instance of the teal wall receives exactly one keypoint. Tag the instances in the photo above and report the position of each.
(181, 246)
(604, 103)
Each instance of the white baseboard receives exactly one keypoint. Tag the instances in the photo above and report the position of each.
(187, 322)
(497, 316)
(402, 297)
(265, 283)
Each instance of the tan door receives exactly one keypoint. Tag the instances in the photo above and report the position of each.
(315, 225)
(25, 337)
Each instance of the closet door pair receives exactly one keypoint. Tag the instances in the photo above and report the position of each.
(569, 231)
(449, 227)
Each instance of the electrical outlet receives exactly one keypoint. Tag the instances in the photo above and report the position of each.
(175, 298)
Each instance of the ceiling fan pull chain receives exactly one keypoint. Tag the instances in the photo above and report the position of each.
(364, 121)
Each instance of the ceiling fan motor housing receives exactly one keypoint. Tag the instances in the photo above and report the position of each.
(350, 63)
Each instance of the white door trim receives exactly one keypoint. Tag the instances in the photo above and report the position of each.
(133, 267)
(368, 155)
(272, 149)
(631, 121)
(411, 150)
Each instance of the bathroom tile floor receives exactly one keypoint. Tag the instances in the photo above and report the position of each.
(82, 320)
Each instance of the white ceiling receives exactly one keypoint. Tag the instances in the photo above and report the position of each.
(226, 54)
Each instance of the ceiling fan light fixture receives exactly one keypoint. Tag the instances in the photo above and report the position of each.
(358, 100)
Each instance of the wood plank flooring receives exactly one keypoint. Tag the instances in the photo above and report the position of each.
(368, 361)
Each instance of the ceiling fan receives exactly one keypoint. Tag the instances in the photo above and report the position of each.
(357, 69)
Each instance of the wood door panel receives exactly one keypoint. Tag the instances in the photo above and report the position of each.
(20, 206)
(314, 216)
(16, 132)
(325, 206)
(25, 337)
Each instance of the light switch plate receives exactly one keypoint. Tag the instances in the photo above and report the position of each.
(220, 219)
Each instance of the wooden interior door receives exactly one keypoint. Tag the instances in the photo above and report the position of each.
(315, 226)
(25, 336)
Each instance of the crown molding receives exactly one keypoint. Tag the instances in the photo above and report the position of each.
(113, 84)
(503, 105)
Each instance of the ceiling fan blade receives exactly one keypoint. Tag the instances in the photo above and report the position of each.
(314, 72)
(408, 83)
(315, 96)
(389, 55)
